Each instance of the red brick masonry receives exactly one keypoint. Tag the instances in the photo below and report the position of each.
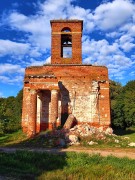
(66, 86)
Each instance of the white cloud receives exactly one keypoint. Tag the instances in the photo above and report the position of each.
(115, 20)
(126, 42)
(114, 34)
(34, 62)
(106, 16)
(113, 14)
(8, 80)
(33, 24)
(132, 30)
(111, 55)
(1, 94)
(10, 47)
(60, 7)
(38, 26)
(10, 68)
(98, 48)
(18, 50)
(48, 60)
(132, 73)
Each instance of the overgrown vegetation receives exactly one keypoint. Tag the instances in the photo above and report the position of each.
(10, 113)
(32, 165)
(122, 104)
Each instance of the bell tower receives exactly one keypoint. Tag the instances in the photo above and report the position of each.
(66, 42)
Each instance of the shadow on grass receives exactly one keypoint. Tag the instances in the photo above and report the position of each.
(29, 158)
(42, 140)
(3, 139)
(121, 132)
(29, 165)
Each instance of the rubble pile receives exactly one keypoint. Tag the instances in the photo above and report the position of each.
(87, 130)
(72, 136)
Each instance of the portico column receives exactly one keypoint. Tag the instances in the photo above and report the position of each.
(33, 112)
(39, 112)
(54, 107)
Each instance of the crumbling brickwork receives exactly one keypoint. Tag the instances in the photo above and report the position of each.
(66, 86)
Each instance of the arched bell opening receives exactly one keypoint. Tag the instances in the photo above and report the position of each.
(66, 43)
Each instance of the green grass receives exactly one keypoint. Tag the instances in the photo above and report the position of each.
(68, 166)
(13, 138)
(18, 139)
(32, 165)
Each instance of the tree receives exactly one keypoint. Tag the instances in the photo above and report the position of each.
(116, 108)
(129, 103)
(10, 113)
(122, 104)
(115, 89)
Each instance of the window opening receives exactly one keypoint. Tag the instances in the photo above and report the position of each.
(66, 46)
(66, 29)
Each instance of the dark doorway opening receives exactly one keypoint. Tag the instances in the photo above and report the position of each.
(46, 99)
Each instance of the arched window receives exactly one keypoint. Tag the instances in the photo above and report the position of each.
(66, 43)
(66, 29)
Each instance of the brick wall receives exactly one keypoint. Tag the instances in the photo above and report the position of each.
(52, 92)
(82, 91)
(76, 33)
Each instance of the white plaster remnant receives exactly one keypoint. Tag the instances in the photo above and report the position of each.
(85, 104)
(39, 107)
(117, 141)
(94, 99)
(32, 91)
(109, 131)
(132, 144)
(59, 110)
(92, 143)
(104, 88)
(73, 138)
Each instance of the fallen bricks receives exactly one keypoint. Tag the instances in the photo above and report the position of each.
(71, 136)
(87, 130)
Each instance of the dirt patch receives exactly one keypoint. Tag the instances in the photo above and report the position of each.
(130, 153)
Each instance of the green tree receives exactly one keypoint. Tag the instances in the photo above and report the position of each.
(122, 104)
(116, 108)
(10, 113)
(129, 103)
(115, 89)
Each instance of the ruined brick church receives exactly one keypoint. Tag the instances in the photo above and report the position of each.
(54, 91)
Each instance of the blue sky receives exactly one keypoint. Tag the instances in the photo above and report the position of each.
(25, 36)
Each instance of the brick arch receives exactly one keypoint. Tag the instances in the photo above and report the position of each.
(66, 29)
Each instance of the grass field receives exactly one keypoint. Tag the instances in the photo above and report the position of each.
(13, 138)
(32, 165)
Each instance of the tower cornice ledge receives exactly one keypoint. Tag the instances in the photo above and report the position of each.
(83, 65)
(66, 20)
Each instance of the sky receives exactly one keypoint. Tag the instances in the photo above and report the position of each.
(25, 36)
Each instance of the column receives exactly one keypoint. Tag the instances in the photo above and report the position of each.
(33, 112)
(39, 112)
(54, 108)
(25, 111)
